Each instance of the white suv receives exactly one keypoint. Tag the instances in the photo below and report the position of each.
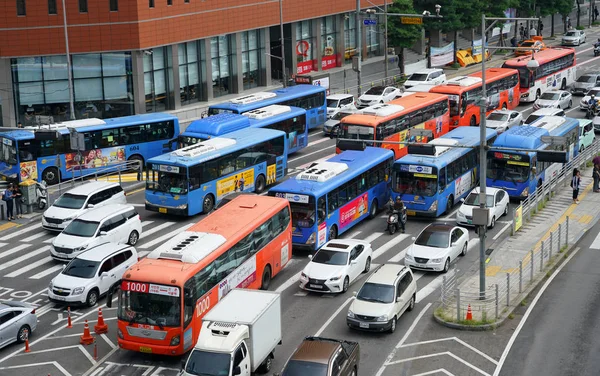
(91, 274)
(431, 76)
(383, 298)
(339, 102)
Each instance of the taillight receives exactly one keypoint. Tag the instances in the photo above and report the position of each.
(140, 218)
(33, 312)
(138, 258)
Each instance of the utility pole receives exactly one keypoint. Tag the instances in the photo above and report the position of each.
(358, 46)
(69, 72)
(282, 43)
(386, 38)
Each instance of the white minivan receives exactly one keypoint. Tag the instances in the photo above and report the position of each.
(107, 224)
(430, 76)
(91, 274)
(339, 102)
(79, 199)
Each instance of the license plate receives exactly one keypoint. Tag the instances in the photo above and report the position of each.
(364, 325)
(52, 225)
(469, 221)
(162, 210)
(410, 212)
(315, 286)
(420, 265)
(59, 298)
(145, 349)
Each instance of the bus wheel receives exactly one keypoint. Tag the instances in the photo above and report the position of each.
(374, 207)
(259, 184)
(473, 121)
(449, 204)
(266, 278)
(51, 175)
(563, 85)
(333, 232)
(138, 159)
(208, 204)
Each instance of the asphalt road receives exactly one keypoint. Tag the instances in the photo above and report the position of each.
(26, 271)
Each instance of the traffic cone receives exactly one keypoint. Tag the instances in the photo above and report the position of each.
(27, 345)
(101, 327)
(469, 313)
(86, 338)
(69, 324)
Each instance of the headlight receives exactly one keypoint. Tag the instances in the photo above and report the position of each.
(184, 206)
(120, 334)
(302, 275)
(78, 291)
(433, 206)
(335, 278)
(459, 214)
(525, 191)
(408, 257)
(78, 249)
(50, 285)
(311, 238)
(175, 340)
(350, 314)
(437, 260)
(68, 219)
(382, 318)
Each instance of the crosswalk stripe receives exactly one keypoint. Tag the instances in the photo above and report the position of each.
(389, 245)
(35, 236)
(353, 235)
(14, 250)
(22, 231)
(48, 241)
(146, 223)
(165, 237)
(45, 272)
(142, 254)
(400, 256)
(156, 229)
(29, 267)
(372, 237)
(17, 260)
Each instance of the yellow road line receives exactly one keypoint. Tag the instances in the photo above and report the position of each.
(135, 191)
(8, 225)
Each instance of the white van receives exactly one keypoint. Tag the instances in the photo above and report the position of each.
(431, 76)
(339, 102)
(80, 199)
(107, 224)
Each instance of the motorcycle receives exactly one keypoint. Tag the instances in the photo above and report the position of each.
(41, 192)
(597, 49)
(394, 218)
(592, 112)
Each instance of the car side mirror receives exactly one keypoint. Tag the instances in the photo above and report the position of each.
(90, 206)
(462, 199)
(413, 238)
(454, 244)
(237, 371)
(353, 262)
(104, 274)
(398, 299)
(64, 266)
(355, 293)
(310, 257)
(103, 233)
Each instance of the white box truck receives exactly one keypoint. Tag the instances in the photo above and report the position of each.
(238, 335)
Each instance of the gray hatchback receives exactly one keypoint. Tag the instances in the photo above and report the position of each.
(17, 321)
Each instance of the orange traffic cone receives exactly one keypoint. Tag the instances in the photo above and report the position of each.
(101, 327)
(69, 324)
(27, 345)
(469, 313)
(86, 338)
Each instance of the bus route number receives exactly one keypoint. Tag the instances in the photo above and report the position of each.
(134, 148)
(136, 287)
(202, 306)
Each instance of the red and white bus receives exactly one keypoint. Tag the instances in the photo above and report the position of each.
(557, 71)
(163, 297)
(502, 87)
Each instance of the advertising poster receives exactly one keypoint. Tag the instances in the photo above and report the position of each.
(322, 235)
(441, 56)
(241, 277)
(518, 218)
(271, 174)
(241, 181)
(28, 170)
(285, 254)
(462, 184)
(94, 158)
(353, 210)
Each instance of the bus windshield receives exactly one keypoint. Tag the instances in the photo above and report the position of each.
(506, 169)
(414, 183)
(167, 182)
(524, 76)
(358, 132)
(303, 215)
(8, 151)
(454, 104)
(149, 309)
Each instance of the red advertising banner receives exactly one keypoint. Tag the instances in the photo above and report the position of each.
(354, 210)
(305, 67)
(329, 62)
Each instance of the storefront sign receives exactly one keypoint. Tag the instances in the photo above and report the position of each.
(329, 62)
(305, 67)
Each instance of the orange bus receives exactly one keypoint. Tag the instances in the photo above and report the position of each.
(392, 121)
(502, 87)
(163, 297)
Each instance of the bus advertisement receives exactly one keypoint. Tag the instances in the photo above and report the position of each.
(502, 89)
(38, 154)
(392, 121)
(194, 179)
(163, 298)
(430, 185)
(308, 97)
(557, 70)
(329, 198)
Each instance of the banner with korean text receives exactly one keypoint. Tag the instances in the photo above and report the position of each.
(441, 56)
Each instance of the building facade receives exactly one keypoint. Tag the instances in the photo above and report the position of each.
(138, 56)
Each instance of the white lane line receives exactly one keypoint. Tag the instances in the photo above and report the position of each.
(29, 267)
(14, 250)
(429, 288)
(353, 235)
(146, 223)
(48, 241)
(44, 273)
(332, 317)
(589, 61)
(501, 231)
(17, 260)
(372, 237)
(309, 154)
(33, 237)
(400, 256)
(165, 237)
(596, 243)
(145, 234)
(292, 280)
(515, 334)
(317, 142)
(572, 109)
(389, 245)
(418, 274)
(21, 232)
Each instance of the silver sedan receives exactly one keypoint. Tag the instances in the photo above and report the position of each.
(501, 120)
(17, 321)
(554, 99)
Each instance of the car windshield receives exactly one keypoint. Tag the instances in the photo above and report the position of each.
(81, 268)
(405, 181)
(204, 363)
(174, 183)
(473, 200)
(376, 292)
(149, 309)
(512, 168)
(377, 90)
(435, 239)
(550, 96)
(304, 368)
(571, 34)
(70, 201)
(496, 116)
(358, 132)
(78, 227)
(593, 92)
(329, 257)
(418, 77)
(340, 115)
(587, 79)
(333, 103)
(532, 118)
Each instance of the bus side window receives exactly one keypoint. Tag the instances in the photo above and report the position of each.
(442, 179)
(332, 200)
(321, 210)
(342, 195)
(352, 193)
(262, 236)
(188, 301)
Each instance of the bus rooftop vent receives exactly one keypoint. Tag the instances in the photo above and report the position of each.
(322, 171)
(382, 109)
(205, 147)
(549, 123)
(79, 123)
(267, 112)
(188, 246)
(253, 98)
(463, 81)
(442, 145)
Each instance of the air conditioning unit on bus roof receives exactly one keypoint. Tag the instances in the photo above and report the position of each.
(267, 112)
(205, 147)
(322, 171)
(253, 98)
(549, 123)
(442, 145)
(463, 81)
(188, 246)
(382, 109)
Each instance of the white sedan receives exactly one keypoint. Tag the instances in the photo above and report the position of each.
(584, 103)
(502, 120)
(573, 38)
(336, 265)
(496, 200)
(376, 95)
(436, 247)
(554, 99)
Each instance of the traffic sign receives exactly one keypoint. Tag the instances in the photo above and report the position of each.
(411, 20)
(370, 21)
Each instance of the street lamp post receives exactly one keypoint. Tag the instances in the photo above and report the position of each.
(69, 73)
(284, 74)
(385, 39)
(358, 46)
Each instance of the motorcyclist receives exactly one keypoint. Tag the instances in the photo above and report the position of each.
(397, 207)
(597, 43)
(593, 103)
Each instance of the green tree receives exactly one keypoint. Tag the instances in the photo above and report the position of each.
(450, 22)
(402, 36)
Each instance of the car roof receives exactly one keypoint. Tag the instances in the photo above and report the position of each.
(99, 213)
(91, 187)
(386, 274)
(339, 96)
(342, 245)
(315, 351)
(555, 91)
(546, 111)
(439, 227)
(508, 112)
(102, 251)
(428, 70)
(488, 190)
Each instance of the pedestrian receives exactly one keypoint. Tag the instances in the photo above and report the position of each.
(596, 176)
(575, 181)
(8, 199)
(17, 195)
(569, 26)
(19, 125)
(541, 27)
(532, 31)
(522, 32)
(513, 41)
(596, 13)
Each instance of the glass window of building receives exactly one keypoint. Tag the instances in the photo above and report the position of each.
(349, 36)
(223, 69)
(156, 78)
(21, 9)
(192, 68)
(51, 6)
(304, 47)
(253, 58)
(83, 6)
(373, 37)
(328, 43)
(114, 5)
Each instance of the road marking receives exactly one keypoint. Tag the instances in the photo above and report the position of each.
(475, 350)
(8, 225)
(48, 241)
(501, 231)
(35, 236)
(389, 245)
(24, 257)
(156, 229)
(515, 334)
(146, 223)
(13, 250)
(29, 267)
(596, 243)
(353, 235)
(332, 317)
(22, 231)
(165, 237)
(317, 142)
(372, 237)
(54, 363)
(308, 155)
(44, 273)
(429, 288)
(400, 256)
(448, 353)
(110, 343)
(434, 372)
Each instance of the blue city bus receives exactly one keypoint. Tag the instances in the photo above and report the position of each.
(329, 198)
(291, 120)
(308, 97)
(430, 185)
(45, 152)
(519, 172)
(193, 179)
